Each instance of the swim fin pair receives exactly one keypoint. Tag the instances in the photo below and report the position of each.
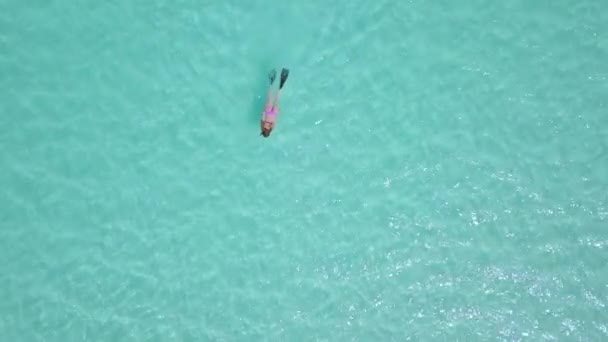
(284, 74)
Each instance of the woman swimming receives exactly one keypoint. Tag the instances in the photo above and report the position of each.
(271, 109)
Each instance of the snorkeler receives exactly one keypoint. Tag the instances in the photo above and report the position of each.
(271, 109)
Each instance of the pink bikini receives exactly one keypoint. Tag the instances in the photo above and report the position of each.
(272, 112)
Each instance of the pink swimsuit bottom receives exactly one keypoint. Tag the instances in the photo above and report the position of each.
(272, 112)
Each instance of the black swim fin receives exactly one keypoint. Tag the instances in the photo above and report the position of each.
(284, 75)
(272, 75)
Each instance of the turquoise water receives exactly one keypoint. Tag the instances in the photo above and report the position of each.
(438, 172)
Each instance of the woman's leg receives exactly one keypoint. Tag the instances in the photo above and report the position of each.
(284, 75)
(269, 98)
(276, 99)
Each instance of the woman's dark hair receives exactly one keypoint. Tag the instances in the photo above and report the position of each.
(265, 133)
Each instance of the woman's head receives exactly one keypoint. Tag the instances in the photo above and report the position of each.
(266, 129)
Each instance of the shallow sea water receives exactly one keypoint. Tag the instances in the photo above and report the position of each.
(438, 172)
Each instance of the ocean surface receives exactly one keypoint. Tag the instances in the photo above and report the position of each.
(439, 171)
